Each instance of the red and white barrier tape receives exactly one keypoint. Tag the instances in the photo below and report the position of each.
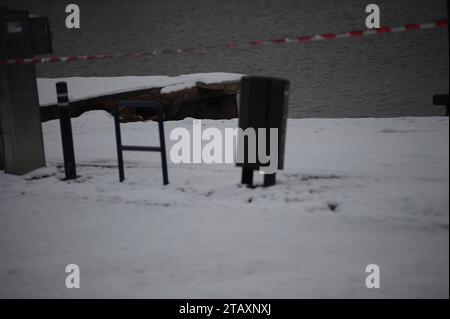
(301, 39)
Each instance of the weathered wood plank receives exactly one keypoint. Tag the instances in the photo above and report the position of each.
(205, 101)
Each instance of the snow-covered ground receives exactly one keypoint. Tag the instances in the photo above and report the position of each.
(354, 192)
(80, 88)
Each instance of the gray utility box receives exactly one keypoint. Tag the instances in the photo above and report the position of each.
(263, 104)
(21, 142)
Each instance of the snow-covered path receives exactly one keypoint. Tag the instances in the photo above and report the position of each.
(354, 192)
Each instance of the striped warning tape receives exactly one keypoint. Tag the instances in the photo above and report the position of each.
(300, 39)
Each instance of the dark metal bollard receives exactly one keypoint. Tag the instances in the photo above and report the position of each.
(263, 104)
(66, 131)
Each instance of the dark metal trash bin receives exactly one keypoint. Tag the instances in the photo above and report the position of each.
(263, 104)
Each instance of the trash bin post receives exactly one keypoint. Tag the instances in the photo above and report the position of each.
(269, 179)
(247, 176)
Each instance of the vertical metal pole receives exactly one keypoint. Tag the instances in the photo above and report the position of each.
(162, 143)
(269, 179)
(66, 130)
(247, 176)
(118, 143)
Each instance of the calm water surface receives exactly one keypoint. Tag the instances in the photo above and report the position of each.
(380, 76)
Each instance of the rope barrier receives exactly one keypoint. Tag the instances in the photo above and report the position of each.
(300, 39)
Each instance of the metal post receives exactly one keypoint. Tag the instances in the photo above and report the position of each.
(247, 176)
(66, 130)
(269, 179)
(119, 144)
(162, 144)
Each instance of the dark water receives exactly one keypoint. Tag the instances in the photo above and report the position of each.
(379, 76)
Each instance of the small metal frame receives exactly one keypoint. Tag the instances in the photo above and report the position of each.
(120, 148)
